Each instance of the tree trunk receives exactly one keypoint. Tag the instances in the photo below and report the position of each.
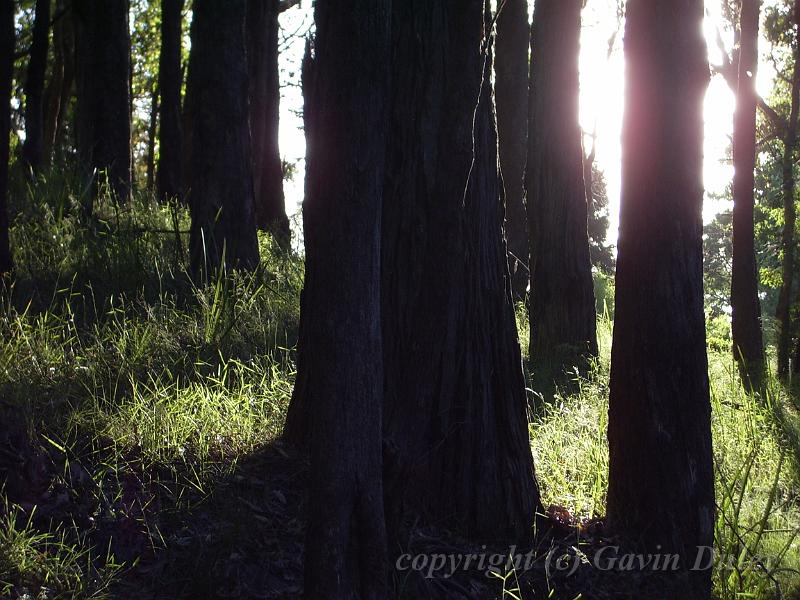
(783, 313)
(7, 47)
(265, 100)
(455, 426)
(511, 96)
(59, 87)
(561, 306)
(221, 190)
(661, 483)
(170, 79)
(151, 137)
(33, 148)
(748, 344)
(103, 76)
(346, 116)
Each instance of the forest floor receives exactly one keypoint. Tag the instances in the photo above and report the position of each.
(140, 418)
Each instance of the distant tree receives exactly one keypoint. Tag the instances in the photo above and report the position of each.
(7, 46)
(170, 80)
(33, 148)
(61, 80)
(661, 481)
(718, 262)
(600, 251)
(223, 230)
(511, 97)
(346, 113)
(265, 100)
(561, 306)
(103, 58)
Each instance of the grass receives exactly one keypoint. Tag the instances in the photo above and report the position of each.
(131, 397)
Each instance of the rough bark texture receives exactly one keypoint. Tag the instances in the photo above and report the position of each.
(33, 148)
(511, 96)
(561, 306)
(6, 74)
(450, 345)
(220, 181)
(783, 312)
(265, 99)
(170, 79)
(62, 78)
(346, 117)
(748, 344)
(103, 90)
(661, 484)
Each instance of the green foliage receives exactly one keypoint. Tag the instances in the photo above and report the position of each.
(601, 252)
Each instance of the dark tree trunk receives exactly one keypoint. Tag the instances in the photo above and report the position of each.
(220, 181)
(59, 87)
(561, 306)
(33, 148)
(7, 45)
(783, 313)
(511, 96)
(748, 344)
(661, 483)
(170, 78)
(451, 349)
(265, 100)
(455, 426)
(151, 138)
(346, 116)
(103, 77)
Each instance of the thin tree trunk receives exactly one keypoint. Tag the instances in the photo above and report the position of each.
(7, 46)
(103, 75)
(33, 148)
(265, 99)
(661, 482)
(170, 79)
(151, 138)
(562, 306)
(347, 117)
(789, 214)
(511, 96)
(223, 228)
(748, 345)
(59, 87)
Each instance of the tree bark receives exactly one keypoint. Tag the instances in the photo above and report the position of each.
(7, 46)
(33, 148)
(265, 99)
(223, 230)
(661, 483)
(103, 78)
(150, 171)
(346, 116)
(511, 96)
(783, 312)
(59, 87)
(561, 306)
(748, 344)
(170, 79)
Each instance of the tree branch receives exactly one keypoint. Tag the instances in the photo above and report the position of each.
(285, 5)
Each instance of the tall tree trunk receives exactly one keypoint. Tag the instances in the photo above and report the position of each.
(783, 313)
(220, 181)
(151, 137)
(661, 483)
(347, 117)
(511, 96)
(265, 101)
(561, 307)
(103, 76)
(748, 344)
(59, 87)
(33, 148)
(455, 426)
(170, 79)
(7, 46)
